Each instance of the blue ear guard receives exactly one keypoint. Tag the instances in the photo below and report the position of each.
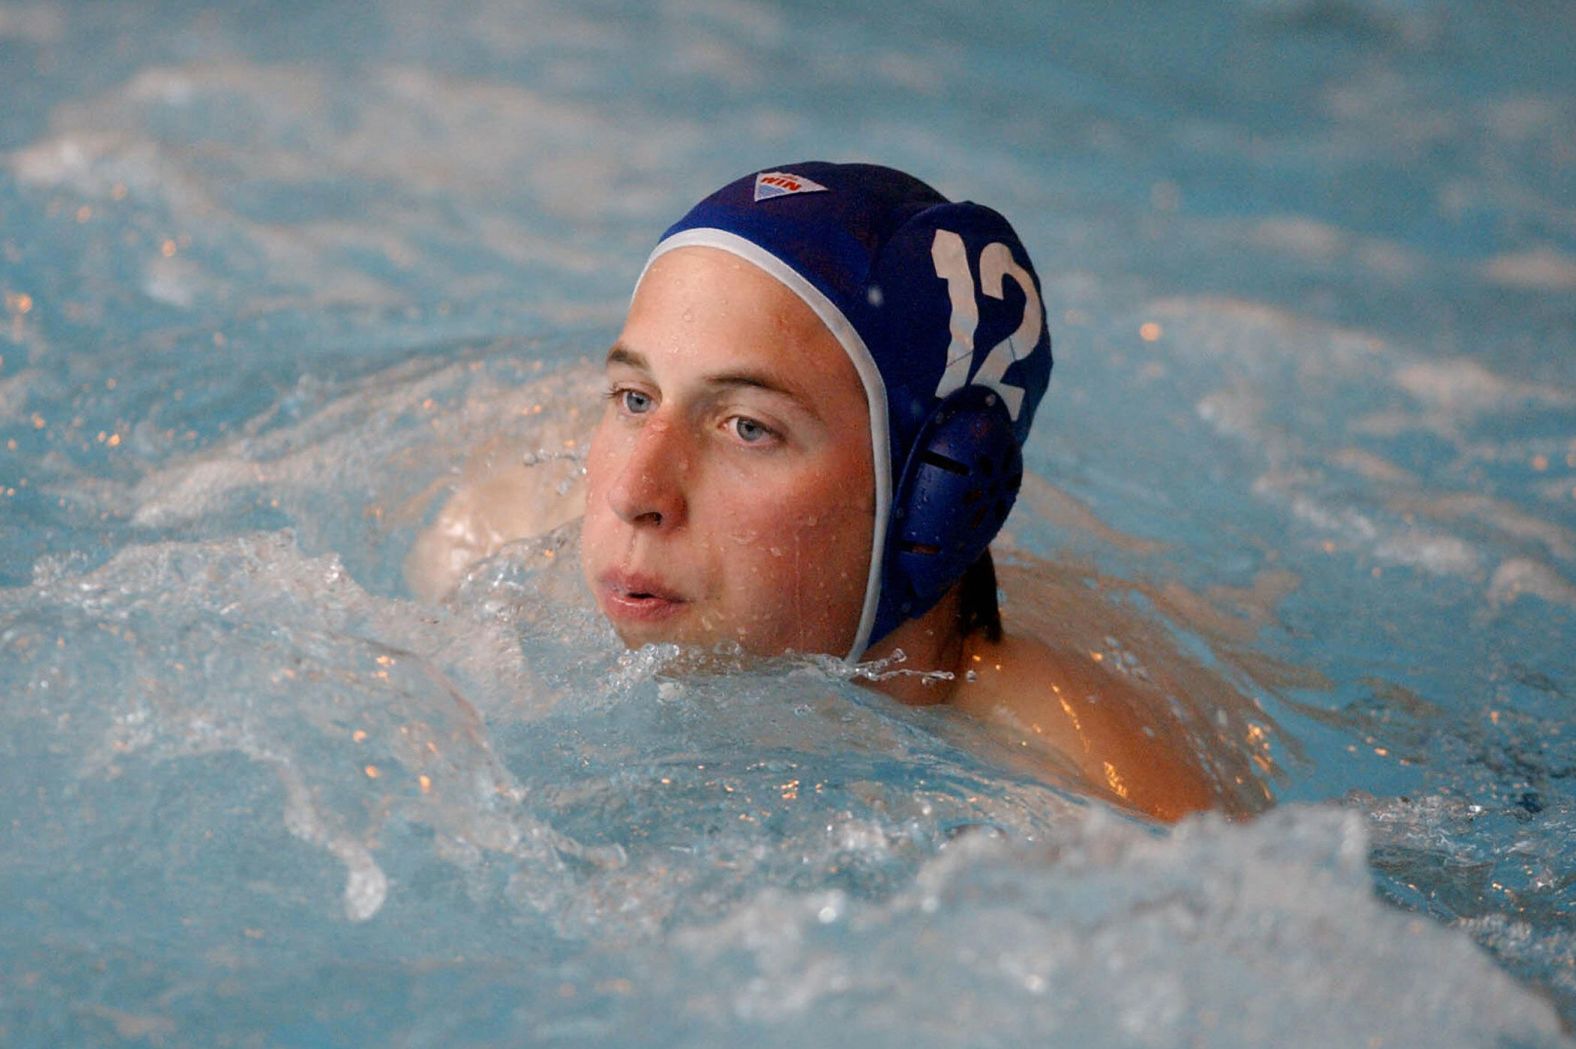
(938, 307)
(956, 490)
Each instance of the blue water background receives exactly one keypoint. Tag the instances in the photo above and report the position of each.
(269, 271)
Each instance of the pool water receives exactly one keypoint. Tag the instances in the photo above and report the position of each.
(278, 279)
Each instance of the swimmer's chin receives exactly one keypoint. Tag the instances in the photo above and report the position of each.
(675, 626)
(680, 655)
(642, 622)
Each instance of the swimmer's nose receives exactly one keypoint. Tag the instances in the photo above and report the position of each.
(649, 489)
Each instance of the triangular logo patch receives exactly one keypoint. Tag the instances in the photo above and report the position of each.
(769, 184)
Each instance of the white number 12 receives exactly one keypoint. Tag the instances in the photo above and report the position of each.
(951, 259)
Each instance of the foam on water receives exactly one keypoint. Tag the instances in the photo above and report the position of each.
(766, 856)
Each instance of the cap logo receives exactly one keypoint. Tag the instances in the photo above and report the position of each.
(769, 184)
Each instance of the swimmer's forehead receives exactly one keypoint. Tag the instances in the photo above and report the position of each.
(757, 376)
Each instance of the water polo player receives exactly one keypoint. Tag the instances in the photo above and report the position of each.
(813, 430)
(815, 414)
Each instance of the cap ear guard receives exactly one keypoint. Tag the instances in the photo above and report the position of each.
(956, 490)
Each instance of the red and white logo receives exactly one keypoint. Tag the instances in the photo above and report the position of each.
(769, 184)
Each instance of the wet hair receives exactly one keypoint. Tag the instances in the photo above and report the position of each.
(978, 609)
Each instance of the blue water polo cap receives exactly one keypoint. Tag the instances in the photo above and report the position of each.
(939, 309)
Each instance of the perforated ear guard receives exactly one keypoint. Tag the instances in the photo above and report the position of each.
(956, 490)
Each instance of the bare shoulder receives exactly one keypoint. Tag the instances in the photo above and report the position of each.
(514, 476)
(1093, 669)
(491, 506)
(1117, 731)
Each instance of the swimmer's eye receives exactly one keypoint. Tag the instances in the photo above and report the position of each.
(749, 431)
(632, 401)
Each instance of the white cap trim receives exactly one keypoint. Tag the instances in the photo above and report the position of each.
(865, 364)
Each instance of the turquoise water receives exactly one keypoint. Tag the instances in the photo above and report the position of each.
(273, 274)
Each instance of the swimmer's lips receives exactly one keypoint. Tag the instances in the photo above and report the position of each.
(638, 598)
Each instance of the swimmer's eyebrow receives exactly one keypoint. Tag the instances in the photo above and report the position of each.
(621, 354)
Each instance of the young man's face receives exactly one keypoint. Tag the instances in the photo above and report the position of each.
(730, 490)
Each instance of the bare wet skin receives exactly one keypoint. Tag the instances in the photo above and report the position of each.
(1109, 688)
